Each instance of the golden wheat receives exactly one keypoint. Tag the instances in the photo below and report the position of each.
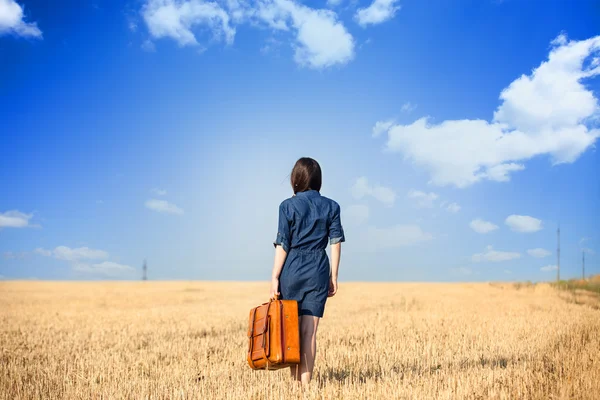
(183, 340)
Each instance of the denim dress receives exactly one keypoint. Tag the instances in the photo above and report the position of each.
(307, 222)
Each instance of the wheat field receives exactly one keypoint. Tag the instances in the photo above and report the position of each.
(184, 340)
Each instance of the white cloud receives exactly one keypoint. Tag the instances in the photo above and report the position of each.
(77, 254)
(379, 11)
(381, 127)
(356, 214)
(80, 253)
(408, 107)
(132, 26)
(14, 219)
(395, 236)
(494, 256)
(82, 260)
(11, 255)
(43, 252)
(362, 188)
(148, 46)
(523, 223)
(107, 268)
(12, 22)
(422, 199)
(481, 226)
(163, 206)
(334, 3)
(549, 268)
(453, 208)
(538, 253)
(585, 239)
(544, 113)
(177, 19)
(311, 27)
(159, 192)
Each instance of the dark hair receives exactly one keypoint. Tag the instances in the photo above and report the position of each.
(306, 175)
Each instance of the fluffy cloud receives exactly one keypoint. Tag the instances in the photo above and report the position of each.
(82, 260)
(379, 11)
(523, 223)
(107, 268)
(159, 192)
(453, 208)
(11, 21)
(494, 256)
(43, 252)
(538, 253)
(148, 46)
(14, 219)
(544, 113)
(163, 206)
(408, 107)
(382, 127)
(356, 214)
(362, 188)
(481, 226)
(175, 19)
(178, 19)
(548, 268)
(310, 27)
(582, 245)
(422, 199)
(77, 254)
(10, 255)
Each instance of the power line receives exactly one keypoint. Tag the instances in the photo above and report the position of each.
(145, 269)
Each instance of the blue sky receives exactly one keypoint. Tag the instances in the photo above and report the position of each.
(455, 136)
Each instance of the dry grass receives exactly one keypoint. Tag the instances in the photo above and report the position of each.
(377, 341)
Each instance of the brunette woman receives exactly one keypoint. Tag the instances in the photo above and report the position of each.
(301, 270)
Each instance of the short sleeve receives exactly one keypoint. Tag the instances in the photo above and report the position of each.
(336, 232)
(283, 229)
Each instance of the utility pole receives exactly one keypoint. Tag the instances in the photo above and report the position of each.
(145, 269)
(558, 254)
(583, 264)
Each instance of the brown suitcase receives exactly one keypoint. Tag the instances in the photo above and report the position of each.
(274, 335)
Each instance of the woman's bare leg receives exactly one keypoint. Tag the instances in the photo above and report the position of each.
(308, 347)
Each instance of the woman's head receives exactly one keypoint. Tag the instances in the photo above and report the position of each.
(306, 175)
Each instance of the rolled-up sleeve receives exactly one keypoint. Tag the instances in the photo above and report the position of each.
(283, 229)
(336, 232)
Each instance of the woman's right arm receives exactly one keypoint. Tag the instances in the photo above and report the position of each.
(282, 245)
(280, 256)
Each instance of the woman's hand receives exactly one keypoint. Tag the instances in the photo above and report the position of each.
(274, 289)
(333, 286)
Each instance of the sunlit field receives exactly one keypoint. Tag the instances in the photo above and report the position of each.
(180, 340)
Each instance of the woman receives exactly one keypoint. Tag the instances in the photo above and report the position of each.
(301, 271)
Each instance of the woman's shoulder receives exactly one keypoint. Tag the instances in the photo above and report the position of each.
(286, 203)
(332, 203)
